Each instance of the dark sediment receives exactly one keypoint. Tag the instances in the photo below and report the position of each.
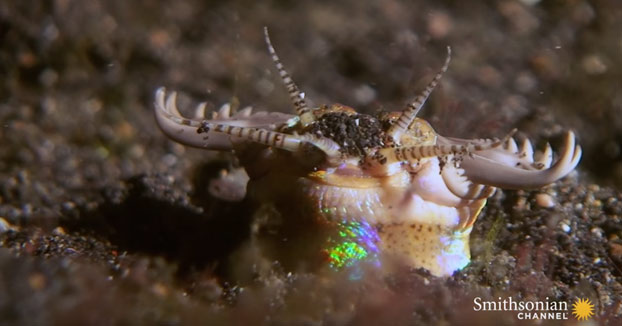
(111, 221)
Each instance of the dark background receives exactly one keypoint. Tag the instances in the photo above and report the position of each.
(111, 223)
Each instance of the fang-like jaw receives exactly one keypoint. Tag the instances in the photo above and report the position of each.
(511, 167)
(218, 132)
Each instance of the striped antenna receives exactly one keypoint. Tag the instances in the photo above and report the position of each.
(292, 143)
(412, 154)
(306, 117)
(409, 114)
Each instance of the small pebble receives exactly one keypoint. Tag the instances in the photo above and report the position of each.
(159, 289)
(68, 205)
(4, 225)
(594, 65)
(365, 94)
(597, 232)
(615, 250)
(521, 203)
(169, 160)
(439, 24)
(37, 281)
(545, 200)
(565, 227)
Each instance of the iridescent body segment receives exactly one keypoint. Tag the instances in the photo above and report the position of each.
(351, 187)
(354, 241)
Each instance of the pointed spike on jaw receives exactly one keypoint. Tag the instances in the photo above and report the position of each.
(511, 145)
(160, 95)
(503, 141)
(526, 150)
(546, 158)
(199, 111)
(510, 135)
(171, 104)
(225, 111)
(570, 155)
(244, 113)
(568, 158)
(577, 155)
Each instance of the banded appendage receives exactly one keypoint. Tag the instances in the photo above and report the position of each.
(409, 114)
(297, 98)
(387, 161)
(216, 133)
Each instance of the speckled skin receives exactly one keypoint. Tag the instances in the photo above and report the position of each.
(420, 232)
(437, 248)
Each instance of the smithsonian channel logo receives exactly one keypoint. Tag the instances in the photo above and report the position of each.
(582, 309)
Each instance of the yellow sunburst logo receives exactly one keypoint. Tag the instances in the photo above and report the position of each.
(583, 309)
